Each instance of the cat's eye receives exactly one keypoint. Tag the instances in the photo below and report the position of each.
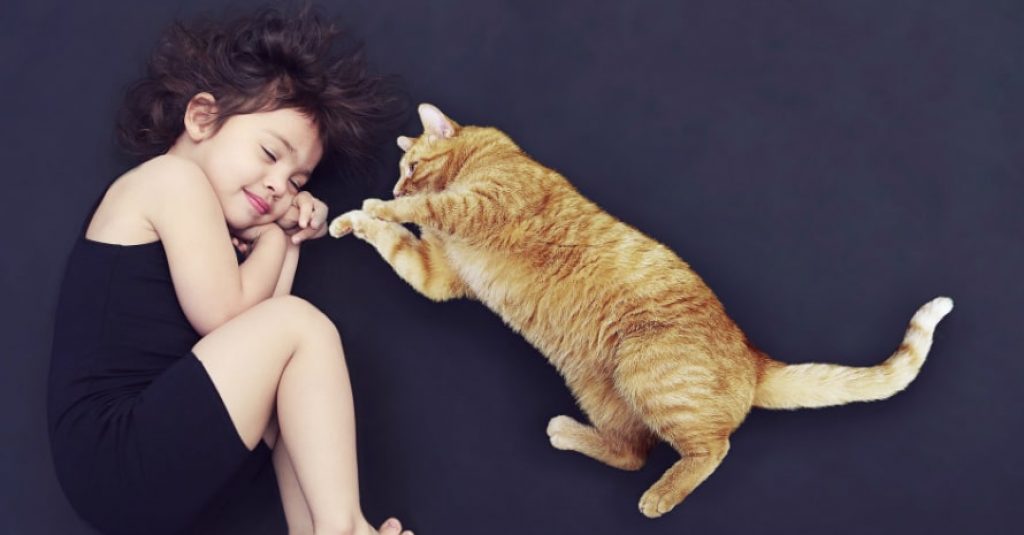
(412, 167)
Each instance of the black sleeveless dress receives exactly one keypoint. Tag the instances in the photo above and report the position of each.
(140, 438)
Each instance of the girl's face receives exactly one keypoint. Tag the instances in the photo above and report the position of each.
(256, 162)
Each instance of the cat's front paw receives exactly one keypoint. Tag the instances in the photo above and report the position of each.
(355, 221)
(657, 501)
(341, 225)
(560, 431)
(377, 208)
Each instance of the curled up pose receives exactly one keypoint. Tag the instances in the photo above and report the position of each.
(179, 361)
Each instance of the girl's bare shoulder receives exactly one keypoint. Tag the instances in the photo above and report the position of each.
(122, 217)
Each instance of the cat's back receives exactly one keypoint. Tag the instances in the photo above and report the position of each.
(572, 277)
(578, 242)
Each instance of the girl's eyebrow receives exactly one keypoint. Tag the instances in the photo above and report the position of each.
(281, 138)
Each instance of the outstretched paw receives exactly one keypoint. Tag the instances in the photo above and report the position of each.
(341, 225)
(357, 222)
(378, 209)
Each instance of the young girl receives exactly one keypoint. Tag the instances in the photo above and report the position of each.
(173, 366)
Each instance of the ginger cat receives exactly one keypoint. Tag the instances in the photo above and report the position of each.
(643, 343)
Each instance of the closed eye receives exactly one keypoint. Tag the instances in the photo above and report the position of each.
(293, 183)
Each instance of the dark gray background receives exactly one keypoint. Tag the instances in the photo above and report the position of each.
(827, 167)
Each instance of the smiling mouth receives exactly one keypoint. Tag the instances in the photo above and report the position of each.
(261, 206)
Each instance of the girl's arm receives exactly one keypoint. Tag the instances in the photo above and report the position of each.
(210, 285)
(305, 220)
(291, 262)
(263, 268)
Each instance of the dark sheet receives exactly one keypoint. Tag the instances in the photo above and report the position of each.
(826, 167)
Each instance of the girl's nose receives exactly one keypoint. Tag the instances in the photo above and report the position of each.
(277, 183)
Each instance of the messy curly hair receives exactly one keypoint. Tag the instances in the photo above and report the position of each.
(263, 61)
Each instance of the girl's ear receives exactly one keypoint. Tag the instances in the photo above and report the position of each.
(199, 116)
(435, 122)
(404, 143)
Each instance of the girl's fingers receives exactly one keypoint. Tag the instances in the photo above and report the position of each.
(321, 216)
(290, 219)
(305, 211)
(318, 215)
(320, 231)
(304, 234)
(304, 203)
(299, 236)
(312, 212)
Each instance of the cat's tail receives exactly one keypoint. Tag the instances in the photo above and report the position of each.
(795, 386)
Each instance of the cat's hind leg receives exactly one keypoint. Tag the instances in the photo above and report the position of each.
(615, 449)
(700, 459)
(692, 401)
(617, 437)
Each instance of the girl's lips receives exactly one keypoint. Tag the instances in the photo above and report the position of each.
(261, 206)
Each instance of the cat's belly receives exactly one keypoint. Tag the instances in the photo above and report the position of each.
(559, 319)
(493, 280)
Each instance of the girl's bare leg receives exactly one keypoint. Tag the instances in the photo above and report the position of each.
(293, 501)
(284, 354)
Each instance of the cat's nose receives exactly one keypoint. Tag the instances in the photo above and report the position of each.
(399, 189)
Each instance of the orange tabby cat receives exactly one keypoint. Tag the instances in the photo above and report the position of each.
(643, 343)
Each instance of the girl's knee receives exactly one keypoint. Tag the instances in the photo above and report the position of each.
(302, 314)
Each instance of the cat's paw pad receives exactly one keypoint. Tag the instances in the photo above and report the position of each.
(560, 430)
(340, 225)
(355, 221)
(654, 504)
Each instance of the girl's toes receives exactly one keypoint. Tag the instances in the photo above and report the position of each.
(391, 526)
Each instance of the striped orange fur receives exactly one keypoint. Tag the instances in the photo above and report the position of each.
(643, 343)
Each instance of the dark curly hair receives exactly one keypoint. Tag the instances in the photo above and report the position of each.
(263, 61)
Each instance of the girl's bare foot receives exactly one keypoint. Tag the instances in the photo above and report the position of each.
(392, 526)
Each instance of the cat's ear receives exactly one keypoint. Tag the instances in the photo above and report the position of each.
(404, 143)
(435, 122)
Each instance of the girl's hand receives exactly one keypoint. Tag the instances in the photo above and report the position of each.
(245, 239)
(305, 219)
(241, 246)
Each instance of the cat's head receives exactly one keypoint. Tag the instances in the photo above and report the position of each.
(434, 160)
